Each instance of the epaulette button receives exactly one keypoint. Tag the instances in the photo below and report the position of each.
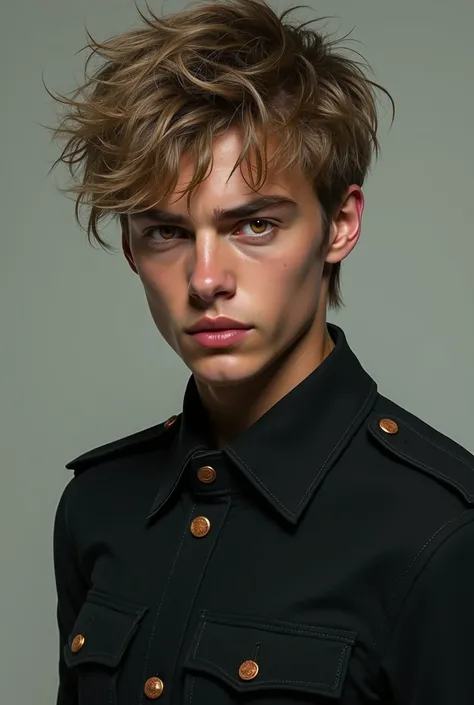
(388, 426)
(169, 422)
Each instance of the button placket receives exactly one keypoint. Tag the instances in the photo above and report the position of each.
(188, 571)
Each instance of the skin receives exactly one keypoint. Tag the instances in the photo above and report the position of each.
(270, 272)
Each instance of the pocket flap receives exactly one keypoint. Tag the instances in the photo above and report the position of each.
(287, 655)
(102, 630)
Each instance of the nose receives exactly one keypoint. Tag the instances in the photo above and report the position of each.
(210, 271)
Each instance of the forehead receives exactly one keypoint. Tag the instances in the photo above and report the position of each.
(227, 188)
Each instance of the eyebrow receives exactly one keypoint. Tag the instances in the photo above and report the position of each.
(245, 210)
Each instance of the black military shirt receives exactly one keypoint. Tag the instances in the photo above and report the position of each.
(325, 556)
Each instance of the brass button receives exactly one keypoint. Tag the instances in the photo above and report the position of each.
(206, 474)
(248, 670)
(154, 688)
(77, 643)
(200, 526)
(169, 422)
(389, 426)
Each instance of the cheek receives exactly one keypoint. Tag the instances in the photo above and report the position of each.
(157, 282)
(160, 302)
(295, 288)
(161, 295)
(298, 275)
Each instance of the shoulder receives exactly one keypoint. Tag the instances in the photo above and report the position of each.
(412, 441)
(135, 443)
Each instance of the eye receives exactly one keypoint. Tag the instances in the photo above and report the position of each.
(162, 233)
(260, 230)
(260, 227)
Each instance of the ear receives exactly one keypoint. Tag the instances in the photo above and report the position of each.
(125, 225)
(346, 226)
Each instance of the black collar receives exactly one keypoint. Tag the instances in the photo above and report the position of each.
(289, 450)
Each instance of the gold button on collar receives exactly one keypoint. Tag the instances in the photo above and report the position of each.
(248, 670)
(169, 422)
(388, 426)
(206, 474)
(77, 643)
(200, 526)
(154, 688)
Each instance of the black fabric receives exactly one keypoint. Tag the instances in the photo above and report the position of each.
(291, 657)
(338, 559)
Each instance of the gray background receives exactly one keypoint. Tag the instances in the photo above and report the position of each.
(81, 363)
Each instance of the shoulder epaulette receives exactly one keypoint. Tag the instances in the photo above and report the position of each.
(139, 440)
(416, 443)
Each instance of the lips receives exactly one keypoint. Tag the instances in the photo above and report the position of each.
(216, 324)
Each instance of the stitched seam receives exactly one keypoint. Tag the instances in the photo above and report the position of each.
(145, 667)
(116, 654)
(127, 637)
(112, 689)
(267, 682)
(305, 632)
(67, 646)
(332, 686)
(430, 468)
(320, 470)
(232, 619)
(112, 602)
(259, 481)
(340, 441)
(438, 447)
(191, 693)
(178, 477)
(199, 639)
(405, 574)
(339, 668)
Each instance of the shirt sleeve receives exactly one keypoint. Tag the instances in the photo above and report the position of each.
(71, 590)
(430, 655)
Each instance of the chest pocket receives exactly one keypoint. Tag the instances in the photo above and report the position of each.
(247, 660)
(103, 630)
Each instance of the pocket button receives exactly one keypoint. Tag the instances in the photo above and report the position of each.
(248, 670)
(77, 643)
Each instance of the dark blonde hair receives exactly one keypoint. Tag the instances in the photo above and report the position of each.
(172, 85)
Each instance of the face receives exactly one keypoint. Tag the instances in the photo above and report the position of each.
(262, 268)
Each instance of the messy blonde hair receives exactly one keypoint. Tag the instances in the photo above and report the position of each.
(172, 85)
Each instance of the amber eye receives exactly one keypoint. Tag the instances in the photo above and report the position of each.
(258, 226)
(162, 233)
(167, 235)
(263, 225)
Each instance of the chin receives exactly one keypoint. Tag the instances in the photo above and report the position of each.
(223, 370)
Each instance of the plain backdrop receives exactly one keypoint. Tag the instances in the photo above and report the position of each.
(81, 362)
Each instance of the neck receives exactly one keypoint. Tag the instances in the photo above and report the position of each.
(235, 408)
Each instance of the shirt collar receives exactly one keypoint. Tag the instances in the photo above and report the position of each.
(287, 453)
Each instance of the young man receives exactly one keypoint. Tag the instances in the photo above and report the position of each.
(292, 536)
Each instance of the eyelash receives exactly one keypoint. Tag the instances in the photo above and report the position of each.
(147, 233)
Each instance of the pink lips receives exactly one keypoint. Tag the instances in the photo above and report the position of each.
(219, 332)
